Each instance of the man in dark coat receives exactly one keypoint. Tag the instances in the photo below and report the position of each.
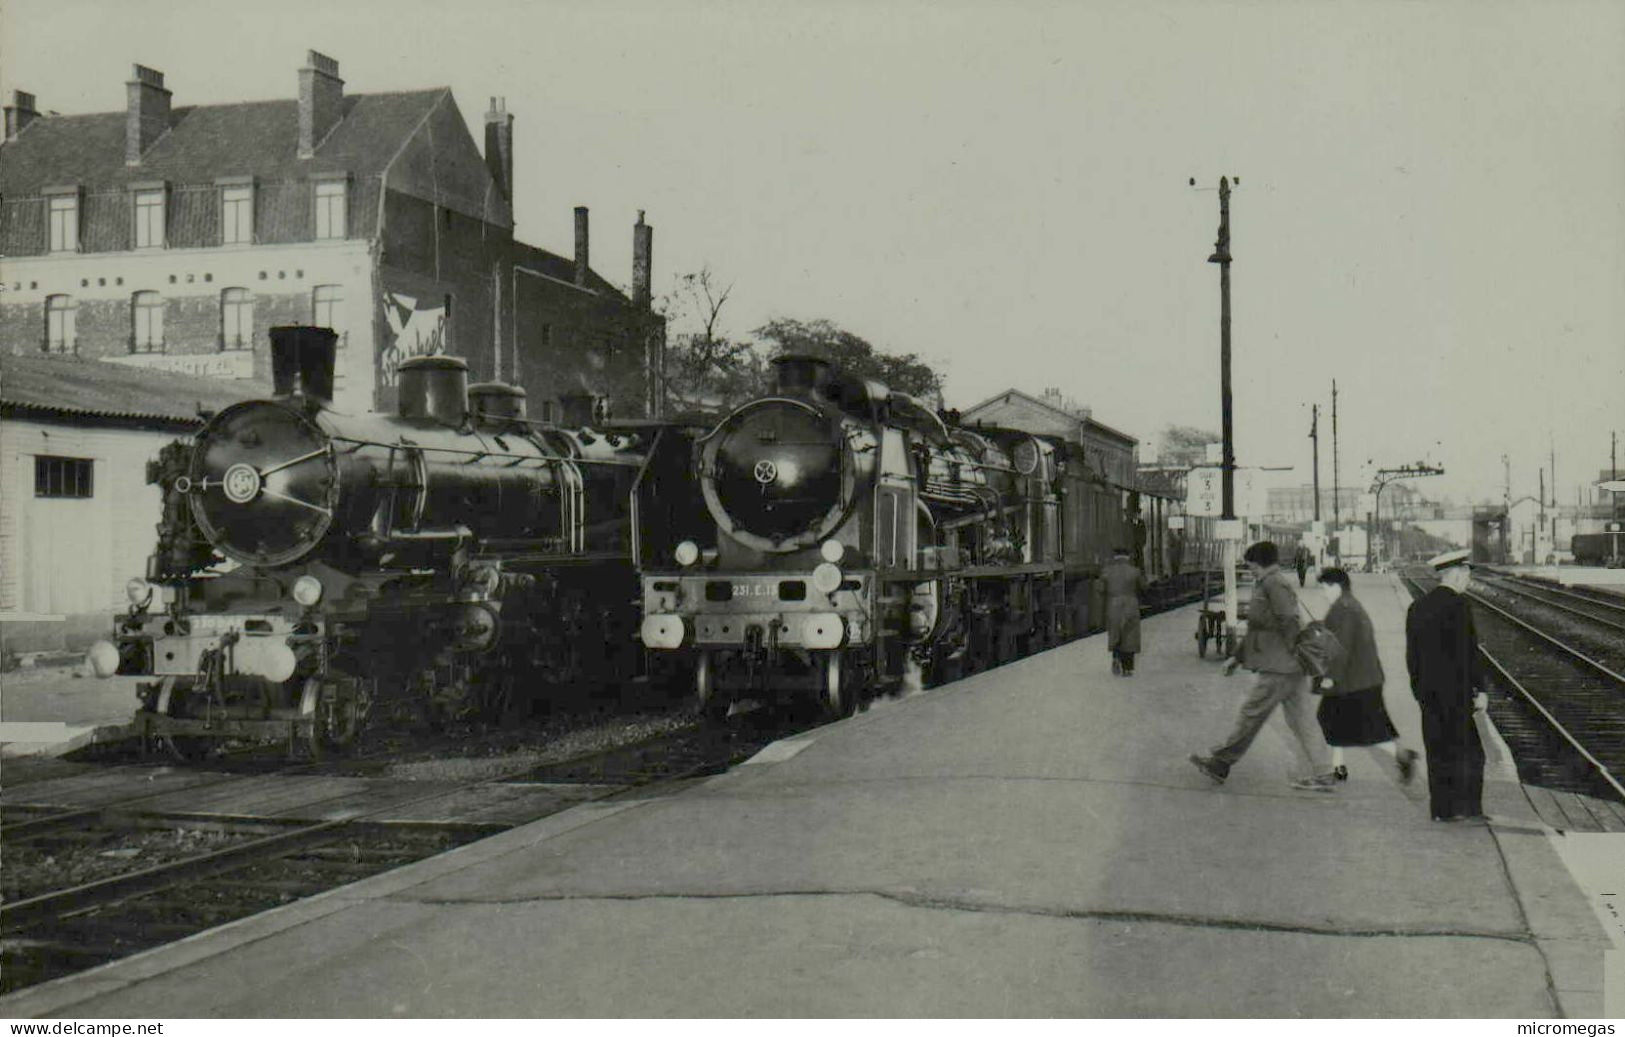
(1441, 651)
(1124, 584)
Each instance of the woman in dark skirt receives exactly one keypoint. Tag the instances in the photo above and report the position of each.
(1351, 711)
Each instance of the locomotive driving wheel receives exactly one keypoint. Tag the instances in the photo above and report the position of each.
(837, 691)
(332, 707)
(714, 704)
(171, 702)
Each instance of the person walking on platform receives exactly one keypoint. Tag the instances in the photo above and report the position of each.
(1441, 652)
(1272, 630)
(1124, 583)
(1351, 709)
(1301, 560)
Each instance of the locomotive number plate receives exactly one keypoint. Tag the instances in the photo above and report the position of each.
(755, 590)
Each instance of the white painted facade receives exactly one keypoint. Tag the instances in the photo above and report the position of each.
(202, 274)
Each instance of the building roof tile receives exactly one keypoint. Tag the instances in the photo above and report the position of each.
(69, 386)
(258, 138)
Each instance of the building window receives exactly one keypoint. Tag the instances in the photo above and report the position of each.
(236, 319)
(330, 209)
(61, 324)
(146, 323)
(237, 215)
(149, 218)
(64, 222)
(64, 477)
(327, 310)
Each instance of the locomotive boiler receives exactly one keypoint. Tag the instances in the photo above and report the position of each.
(856, 542)
(315, 567)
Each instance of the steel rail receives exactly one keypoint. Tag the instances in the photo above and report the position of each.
(1570, 649)
(1556, 724)
(1534, 592)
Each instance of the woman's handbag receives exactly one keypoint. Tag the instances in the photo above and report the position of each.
(1318, 651)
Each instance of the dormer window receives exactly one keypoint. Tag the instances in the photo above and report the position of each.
(64, 213)
(149, 217)
(331, 209)
(237, 214)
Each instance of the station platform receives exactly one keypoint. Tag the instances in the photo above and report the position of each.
(1027, 842)
(58, 708)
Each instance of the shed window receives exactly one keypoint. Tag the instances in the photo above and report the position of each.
(327, 308)
(70, 477)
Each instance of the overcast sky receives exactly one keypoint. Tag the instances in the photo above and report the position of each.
(1431, 208)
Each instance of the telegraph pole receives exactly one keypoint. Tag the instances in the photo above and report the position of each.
(1337, 555)
(1221, 255)
(1314, 434)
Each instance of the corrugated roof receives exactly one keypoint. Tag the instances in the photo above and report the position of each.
(258, 138)
(95, 388)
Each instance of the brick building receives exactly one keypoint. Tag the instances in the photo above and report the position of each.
(171, 237)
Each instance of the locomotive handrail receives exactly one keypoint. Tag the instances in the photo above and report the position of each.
(540, 459)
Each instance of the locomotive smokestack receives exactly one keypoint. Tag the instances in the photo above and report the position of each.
(581, 246)
(302, 359)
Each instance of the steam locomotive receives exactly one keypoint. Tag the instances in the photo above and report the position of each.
(851, 540)
(315, 568)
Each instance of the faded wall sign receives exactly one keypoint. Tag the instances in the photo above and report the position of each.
(232, 364)
(417, 327)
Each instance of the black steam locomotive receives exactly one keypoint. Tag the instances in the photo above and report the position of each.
(850, 541)
(314, 567)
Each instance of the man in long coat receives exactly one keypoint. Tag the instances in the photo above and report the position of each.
(1441, 651)
(1124, 582)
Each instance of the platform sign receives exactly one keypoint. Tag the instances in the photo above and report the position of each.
(1318, 527)
(1176, 523)
(1204, 492)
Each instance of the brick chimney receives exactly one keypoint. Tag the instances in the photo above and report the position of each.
(148, 115)
(581, 246)
(19, 113)
(643, 240)
(321, 101)
(499, 145)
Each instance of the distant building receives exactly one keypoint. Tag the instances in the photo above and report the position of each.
(1112, 454)
(171, 237)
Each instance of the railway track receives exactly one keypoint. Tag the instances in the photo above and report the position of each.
(213, 869)
(1563, 709)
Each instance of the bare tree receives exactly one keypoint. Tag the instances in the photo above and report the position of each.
(706, 369)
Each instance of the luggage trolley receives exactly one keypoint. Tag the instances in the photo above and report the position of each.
(1210, 617)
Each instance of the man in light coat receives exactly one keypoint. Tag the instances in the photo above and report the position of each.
(1124, 584)
(1272, 631)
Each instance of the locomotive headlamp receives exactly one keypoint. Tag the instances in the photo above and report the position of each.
(688, 552)
(139, 591)
(103, 658)
(832, 550)
(826, 577)
(307, 590)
